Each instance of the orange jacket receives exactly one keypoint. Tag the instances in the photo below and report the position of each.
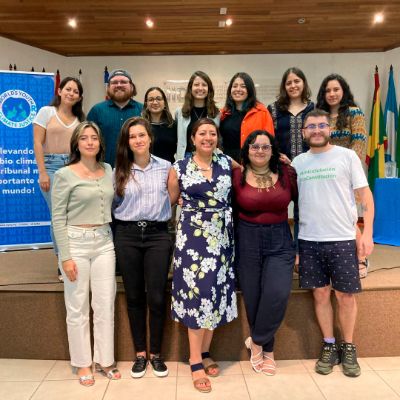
(258, 117)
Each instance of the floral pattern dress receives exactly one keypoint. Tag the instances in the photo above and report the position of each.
(203, 287)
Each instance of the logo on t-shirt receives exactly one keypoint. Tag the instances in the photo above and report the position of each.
(317, 174)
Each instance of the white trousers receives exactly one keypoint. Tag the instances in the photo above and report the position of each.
(92, 249)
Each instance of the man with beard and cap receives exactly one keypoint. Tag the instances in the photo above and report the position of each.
(111, 114)
(329, 178)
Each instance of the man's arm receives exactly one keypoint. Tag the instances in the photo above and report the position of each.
(366, 200)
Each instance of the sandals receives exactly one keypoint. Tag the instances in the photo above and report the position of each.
(203, 385)
(210, 365)
(112, 374)
(269, 365)
(86, 380)
(256, 360)
(363, 266)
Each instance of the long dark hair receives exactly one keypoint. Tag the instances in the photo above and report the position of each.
(77, 107)
(346, 102)
(251, 100)
(166, 116)
(74, 154)
(212, 109)
(125, 156)
(283, 98)
(274, 164)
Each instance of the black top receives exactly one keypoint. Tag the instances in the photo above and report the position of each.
(288, 129)
(196, 114)
(165, 140)
(230, 133)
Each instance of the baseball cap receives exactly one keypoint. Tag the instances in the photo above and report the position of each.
(119, 72)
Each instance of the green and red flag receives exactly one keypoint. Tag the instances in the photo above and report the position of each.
(377, 138)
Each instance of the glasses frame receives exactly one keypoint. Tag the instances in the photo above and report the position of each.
(257, 147)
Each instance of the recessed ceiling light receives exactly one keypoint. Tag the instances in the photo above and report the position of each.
(378, 18)
(72, 23)
(223, 10)
(301, 20)
(229, 22)
(221, 24)
(149, 23)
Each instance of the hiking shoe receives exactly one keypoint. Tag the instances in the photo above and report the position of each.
(349, 360)
(139, 367)
(159, 367)
(329, 357)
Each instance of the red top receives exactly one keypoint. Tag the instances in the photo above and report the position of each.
(265, 207)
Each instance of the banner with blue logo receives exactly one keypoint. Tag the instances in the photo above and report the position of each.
(24, 217)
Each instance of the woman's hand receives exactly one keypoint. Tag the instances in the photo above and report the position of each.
(70, 269)
(296, 264)
(44, 181)
(284, 158)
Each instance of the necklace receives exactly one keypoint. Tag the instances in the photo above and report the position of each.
(197, 115)
(202, 169)
(263, 179)
(89, 173)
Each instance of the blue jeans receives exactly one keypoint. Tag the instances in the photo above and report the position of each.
(53, 162)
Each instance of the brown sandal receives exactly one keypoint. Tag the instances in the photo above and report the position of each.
(200, 384)
(208, 366)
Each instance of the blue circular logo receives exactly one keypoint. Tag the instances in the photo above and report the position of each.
(17, 109)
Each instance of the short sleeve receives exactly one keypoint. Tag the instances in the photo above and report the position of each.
(43, 116)
(358, 178)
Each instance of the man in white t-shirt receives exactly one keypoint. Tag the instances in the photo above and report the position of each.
(328, 178)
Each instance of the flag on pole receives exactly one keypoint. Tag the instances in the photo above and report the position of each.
(376, 150)
(391, 119)
(57, 83)
(106, 75)
(398, 144)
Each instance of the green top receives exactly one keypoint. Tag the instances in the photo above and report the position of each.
(79, 201)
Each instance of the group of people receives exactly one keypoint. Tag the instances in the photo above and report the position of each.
(236, 171)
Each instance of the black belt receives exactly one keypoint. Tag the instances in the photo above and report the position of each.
(145, 224)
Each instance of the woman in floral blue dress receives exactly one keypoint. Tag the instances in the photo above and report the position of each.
(203, 290)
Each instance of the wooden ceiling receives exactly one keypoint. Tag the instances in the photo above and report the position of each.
(107, 27)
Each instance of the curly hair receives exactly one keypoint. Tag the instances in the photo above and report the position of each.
(346, 102)
(275, 164)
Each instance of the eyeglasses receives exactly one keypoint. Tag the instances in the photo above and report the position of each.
(262, 147)
(159, 99)
(115, 83)
(313, 127)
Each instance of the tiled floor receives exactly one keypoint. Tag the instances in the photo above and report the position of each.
(295, 380)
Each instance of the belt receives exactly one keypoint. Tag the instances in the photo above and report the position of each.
(145, 224)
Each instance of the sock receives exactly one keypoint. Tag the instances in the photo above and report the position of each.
(330, 340)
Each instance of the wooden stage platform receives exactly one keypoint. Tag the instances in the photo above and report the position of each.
(33, 315)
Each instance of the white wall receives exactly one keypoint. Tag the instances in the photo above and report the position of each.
(357, 68)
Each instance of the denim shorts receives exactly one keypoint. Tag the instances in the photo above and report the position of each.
(324, 263)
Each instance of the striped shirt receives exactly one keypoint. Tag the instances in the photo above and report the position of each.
(146, 193)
